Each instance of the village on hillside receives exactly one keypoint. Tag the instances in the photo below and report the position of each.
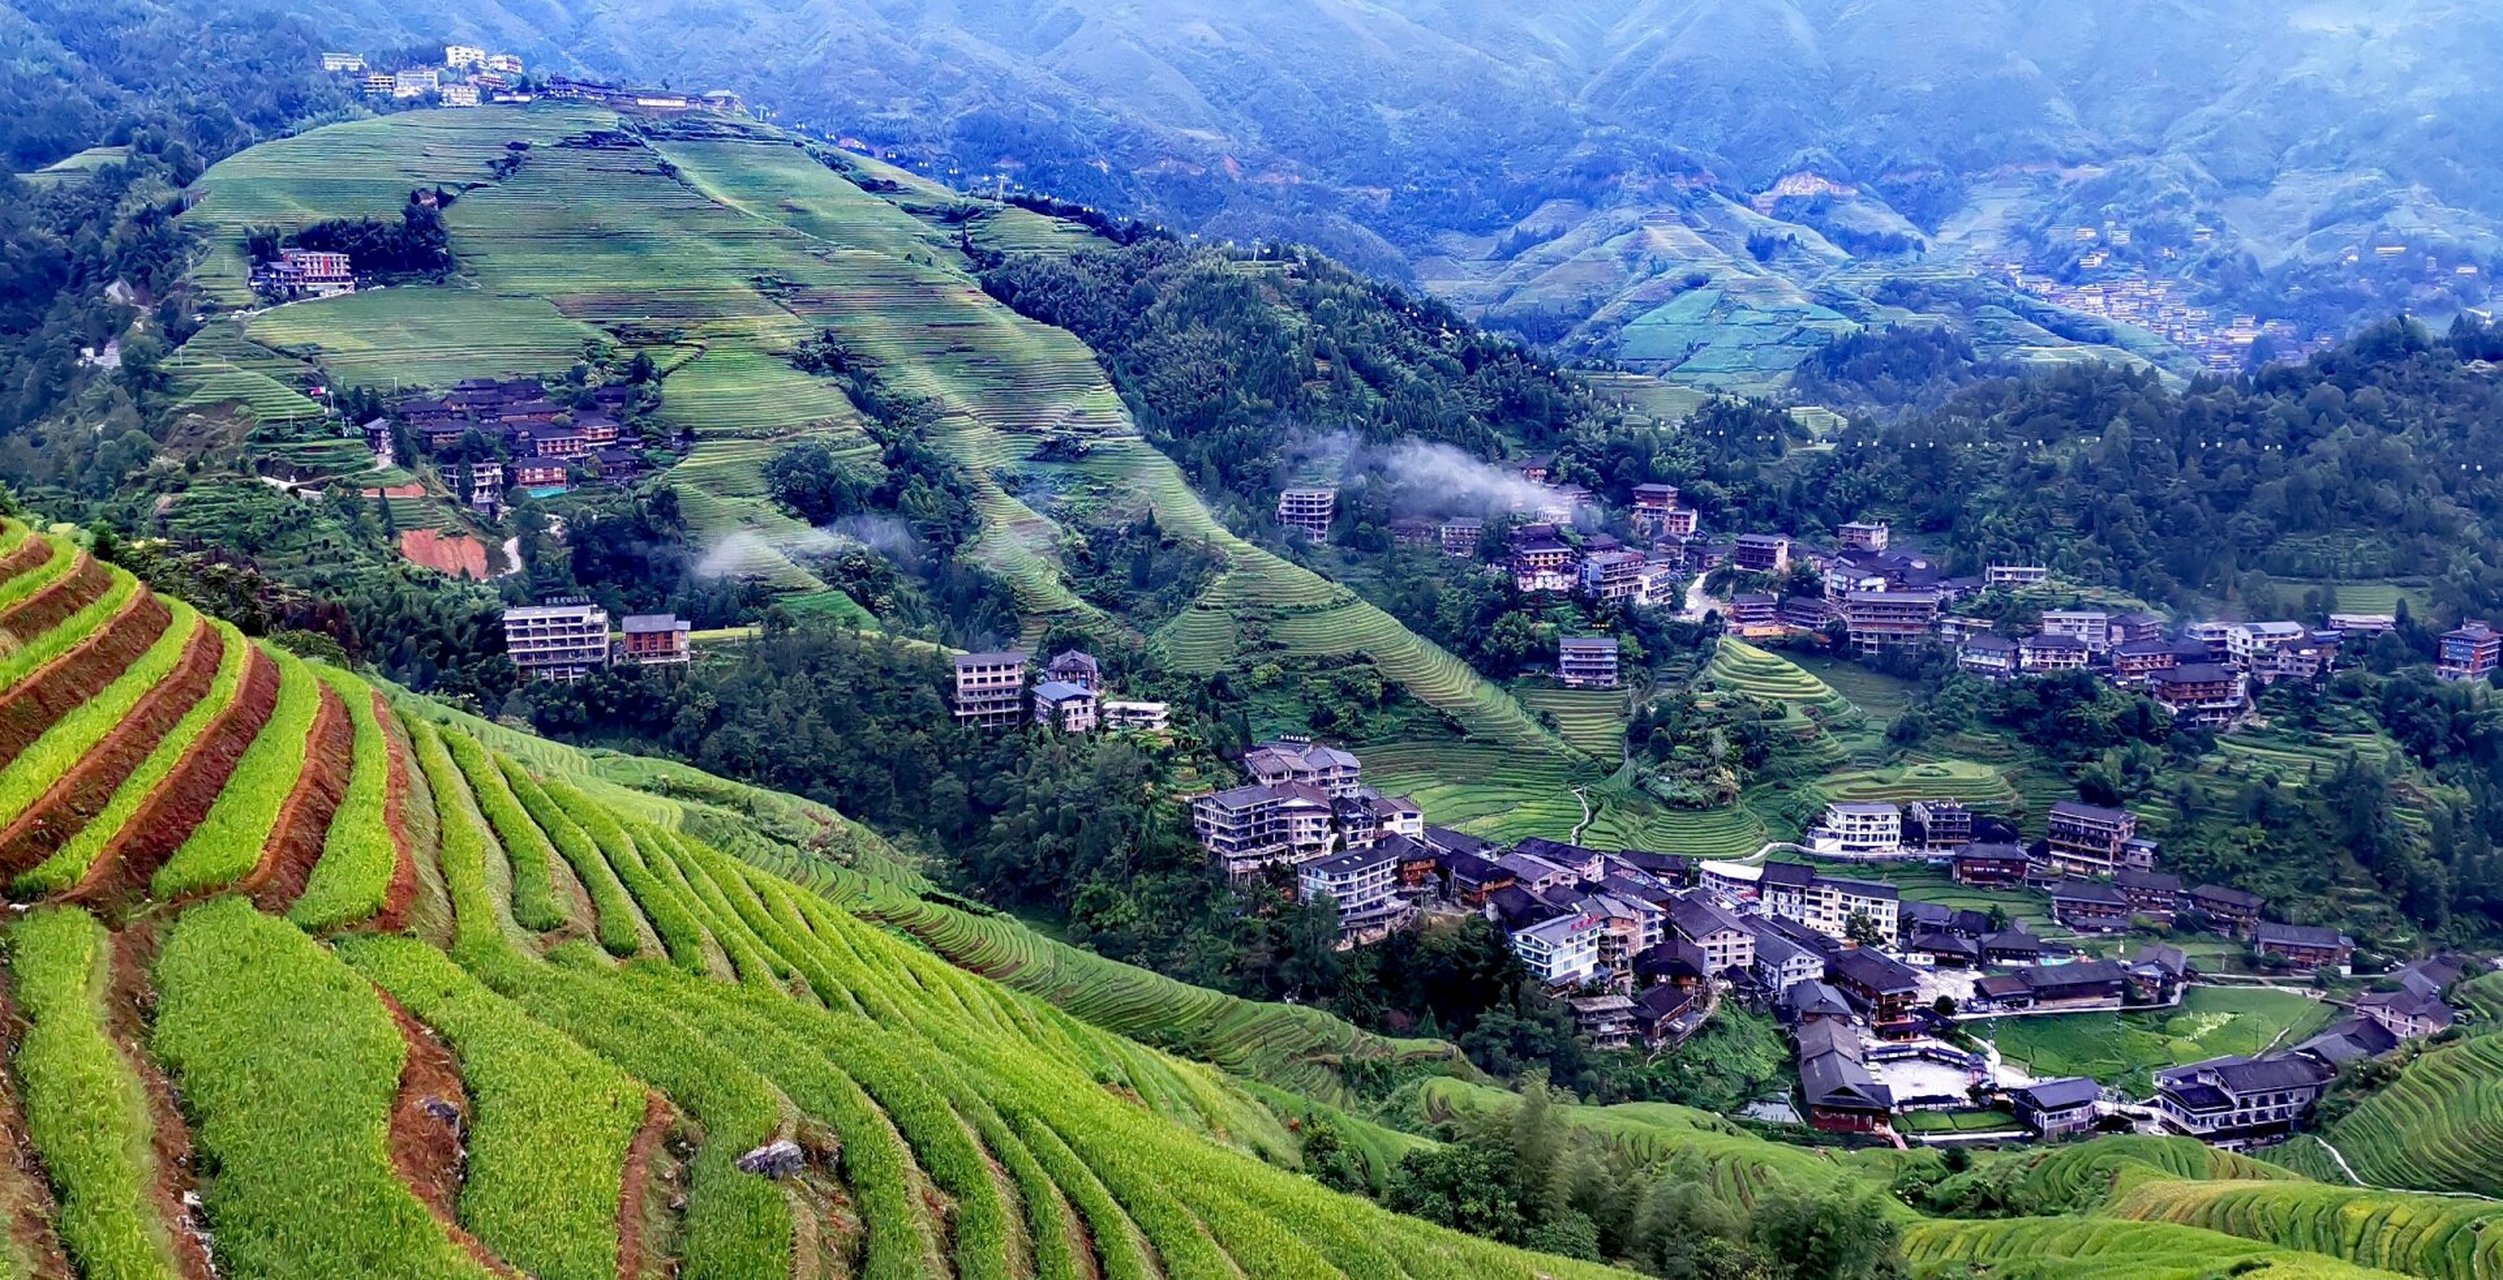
(1880, 993)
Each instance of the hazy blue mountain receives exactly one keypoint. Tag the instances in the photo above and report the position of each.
(1570, 167)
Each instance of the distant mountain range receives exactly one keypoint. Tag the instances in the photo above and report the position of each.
(1702, 187)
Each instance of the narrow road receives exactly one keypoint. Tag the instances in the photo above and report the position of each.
(1581, 794)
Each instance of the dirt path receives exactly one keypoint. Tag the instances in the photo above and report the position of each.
(403, 891)
(295, 843)
(184, 796)
(129, 1002)
(428, 1121)
(83, 793)
(635, 1195)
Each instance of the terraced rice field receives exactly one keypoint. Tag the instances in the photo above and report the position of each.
(740, 246)
(2436, 1129)
(490, 1092)
(495, 1099)
(1592, 720)
(2210, 1022)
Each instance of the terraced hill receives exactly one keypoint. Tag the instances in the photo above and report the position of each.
(407, 1004)
(717, 249)
(395, 991)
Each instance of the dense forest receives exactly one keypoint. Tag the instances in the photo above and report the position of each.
(2376, 459)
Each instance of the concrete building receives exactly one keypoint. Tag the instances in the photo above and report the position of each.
(1720, 937)
(457, 56)
(1832, 903)
(1761, 553)
(557, 641)
(1937, 825)
(2043, 654)
(1587, 662)
(1308, 509)
(2056, 1108)
(1337, 774)
(1862, 829)
(2016, 575)
(1248, 828)
(1989, 656)
(2089, 840)
(1861, 535)
(991, 687)
(2246, 641)
(1078, 667)
(2201, 693)
(415, 83)
(1461, 535)
(2093, 627)
(650, 639)
(2469, 653)
(336, 62)
(1364, 884)
(1612, 576)
(2237, 1102)
(459, 95)
(1150, 717)
(1889, 619)
(1563, 952)
(1069, 708)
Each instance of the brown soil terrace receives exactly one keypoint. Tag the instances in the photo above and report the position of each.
(403, 891)
(46, 609)
(426, 1150)
(83, 793)
(456, 554)
(634, 1195)
(24, 558)
(295, 843)
(183, 797)
(76, 677)
(128, 1003)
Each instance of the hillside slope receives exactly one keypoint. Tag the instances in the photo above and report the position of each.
(614, 1009)
(718, 248)
(396, 991)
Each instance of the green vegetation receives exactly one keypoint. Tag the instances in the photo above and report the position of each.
(68, 740)
(288, 1063)
(86, 1111)
(548, 1149)
(227, 844)
(2211, 1022)
(359, 853)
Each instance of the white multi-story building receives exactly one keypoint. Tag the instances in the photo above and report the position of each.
(415, 83)
(557, 641)
(2246, 641)
(343, 62)
(991, 687)
(1252, 827)
(1864, 828)
(457, 56)
(1309, 510)
(1563, 952)
(1363, 883)
(1831, 903)
(2093, 626)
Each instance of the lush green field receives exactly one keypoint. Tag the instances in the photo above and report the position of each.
(2125, 1050)
(965, 1096)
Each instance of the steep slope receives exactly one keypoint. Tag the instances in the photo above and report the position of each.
(719, 248)
(941, 1123)
(548, 1023)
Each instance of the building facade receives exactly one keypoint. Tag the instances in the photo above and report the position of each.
(557, 641)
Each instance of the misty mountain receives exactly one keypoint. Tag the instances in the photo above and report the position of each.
(1571, 168)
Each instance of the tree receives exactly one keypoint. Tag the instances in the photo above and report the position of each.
(1828, 1235)
(1465, 1185)
(1860, 928)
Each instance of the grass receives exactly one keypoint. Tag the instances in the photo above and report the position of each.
(288, 1064)
(2126, 1050)
(71, 861)
(353, 877)
(227, 844)
(2435, 1128)
(548, 1147)
(33, 653)
(426, 335)
(86, 1110)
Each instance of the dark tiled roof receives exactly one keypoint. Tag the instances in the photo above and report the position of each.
(2058, 1095)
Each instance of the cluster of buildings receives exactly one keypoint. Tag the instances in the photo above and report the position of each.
(546, 445)
(1307, 806)
(999, 689)
(568, 639)
(2157, 304)
(468, 75)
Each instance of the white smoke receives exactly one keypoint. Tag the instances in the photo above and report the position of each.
(884, 535)
(1424, 478)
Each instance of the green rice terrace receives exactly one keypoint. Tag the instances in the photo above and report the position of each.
(381, 988)
(717, 250)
